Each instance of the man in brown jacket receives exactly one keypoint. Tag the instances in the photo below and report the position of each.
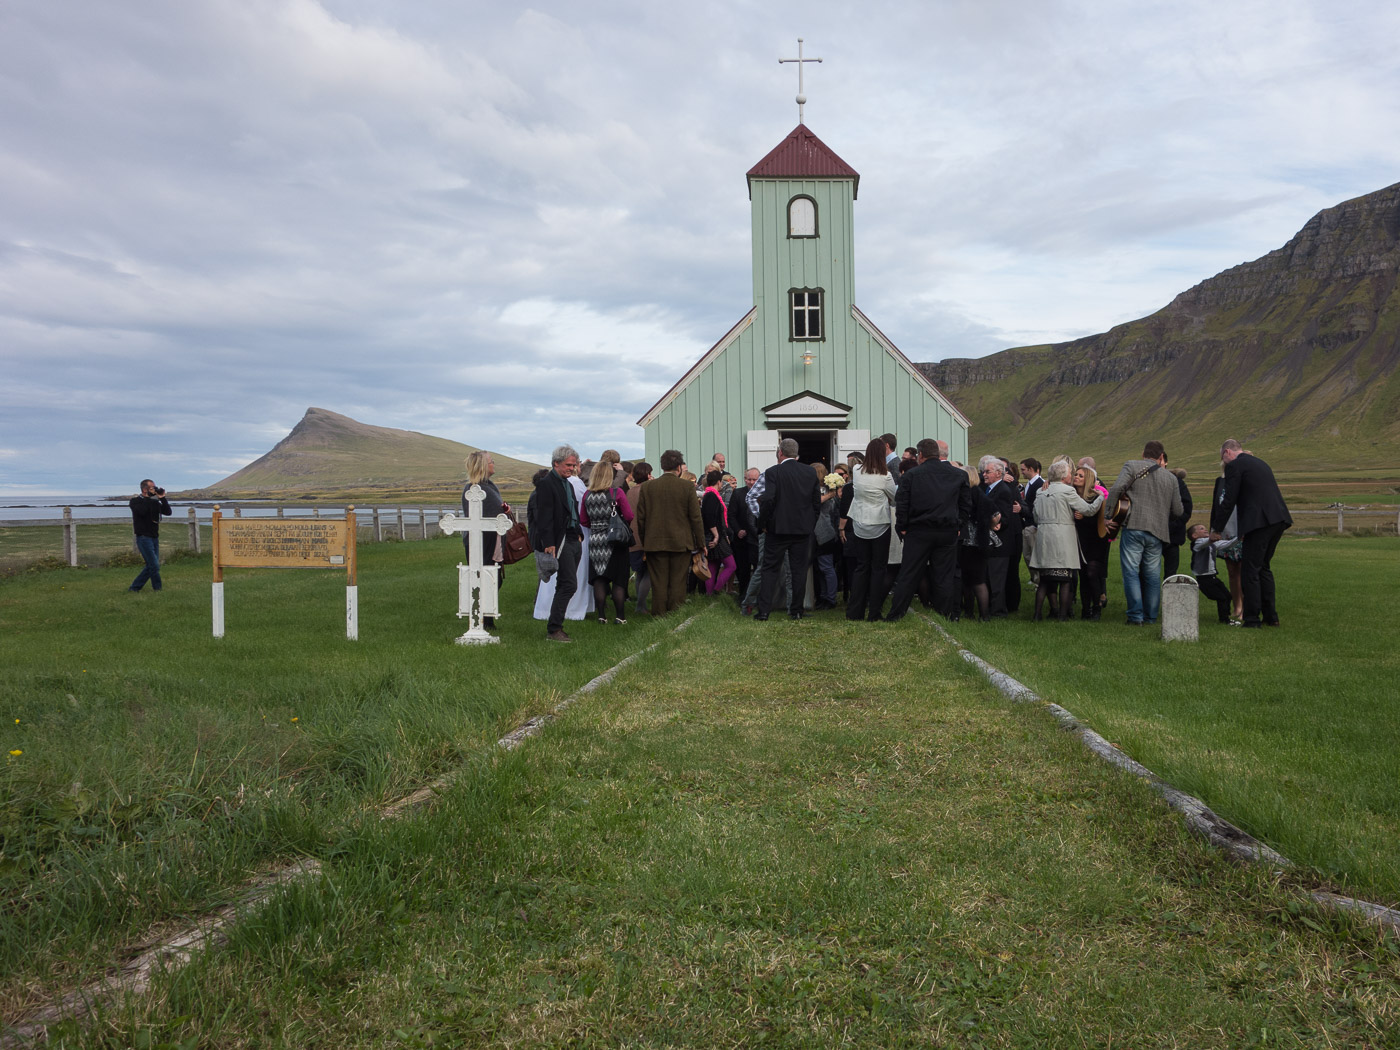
(669, 528)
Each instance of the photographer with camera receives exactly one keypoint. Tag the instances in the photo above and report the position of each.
(146, 510)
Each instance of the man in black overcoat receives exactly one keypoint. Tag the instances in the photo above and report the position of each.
(555, 530)
(1004, 559)
(932, 504)
(787, 513)
(1251, 489)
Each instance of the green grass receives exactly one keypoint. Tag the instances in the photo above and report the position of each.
(741, 842)
(798, 834)
(160, 765)
(1293, 734)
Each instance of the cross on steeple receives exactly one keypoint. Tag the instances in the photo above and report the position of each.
(801, 98)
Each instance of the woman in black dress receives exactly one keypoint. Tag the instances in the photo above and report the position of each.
(1093, 547)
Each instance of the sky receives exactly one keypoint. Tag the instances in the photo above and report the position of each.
(516, 226)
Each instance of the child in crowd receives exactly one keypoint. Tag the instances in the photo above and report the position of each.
(1203, 567)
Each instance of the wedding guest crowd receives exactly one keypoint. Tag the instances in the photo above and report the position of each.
(886, 526)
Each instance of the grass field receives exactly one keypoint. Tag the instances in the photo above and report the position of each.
(1293, 734)
(798, 834)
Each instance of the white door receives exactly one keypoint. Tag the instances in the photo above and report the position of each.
(848, 441)
(762, 449)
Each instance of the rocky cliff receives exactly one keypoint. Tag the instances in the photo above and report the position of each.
(1296, 350)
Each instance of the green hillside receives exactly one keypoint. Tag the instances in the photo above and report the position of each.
(1296, 354)
(333, 456)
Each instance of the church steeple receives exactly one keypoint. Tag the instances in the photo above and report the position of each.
(803, 156)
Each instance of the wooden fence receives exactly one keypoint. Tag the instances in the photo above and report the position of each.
(190, 530)
(382, 524)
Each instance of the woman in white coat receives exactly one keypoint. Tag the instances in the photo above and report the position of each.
(868, 526)
(1057, 557)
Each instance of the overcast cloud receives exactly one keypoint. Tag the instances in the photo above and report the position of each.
(515, 226)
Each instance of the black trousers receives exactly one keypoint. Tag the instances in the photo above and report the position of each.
(1217, 592)
(565, 581)
(745, 558)
(869, 581)
(937, 551)
(1013, 575)
(1256, 575)
(798, 549)
(1171, 559)
(997, 571)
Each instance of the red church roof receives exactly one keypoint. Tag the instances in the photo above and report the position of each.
(803, 156)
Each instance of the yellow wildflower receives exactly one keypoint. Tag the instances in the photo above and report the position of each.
(16, 753)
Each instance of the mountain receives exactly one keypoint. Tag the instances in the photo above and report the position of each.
(1295, 353)
(330, 454)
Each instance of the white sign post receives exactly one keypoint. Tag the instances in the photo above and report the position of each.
(477, 583)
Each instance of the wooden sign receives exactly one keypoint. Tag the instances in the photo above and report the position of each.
(282, 543)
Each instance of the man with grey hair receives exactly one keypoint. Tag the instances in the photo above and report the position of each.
(749, 601)
(557, 532)
(1251, 489)
(1007, 534)
(787, 515)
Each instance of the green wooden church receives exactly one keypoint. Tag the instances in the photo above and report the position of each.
(805, 362)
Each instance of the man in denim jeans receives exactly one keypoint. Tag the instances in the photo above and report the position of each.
(146, 511)
(1155, 497)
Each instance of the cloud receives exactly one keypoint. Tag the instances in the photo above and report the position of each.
(478, 220)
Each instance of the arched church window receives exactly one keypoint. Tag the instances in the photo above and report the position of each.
(802, 217)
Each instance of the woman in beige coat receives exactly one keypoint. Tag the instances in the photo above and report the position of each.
(1057, 556)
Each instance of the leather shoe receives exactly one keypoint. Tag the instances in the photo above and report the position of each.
(761, 617)
(796, 616)
(557, 636)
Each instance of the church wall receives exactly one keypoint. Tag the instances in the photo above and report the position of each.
(717, 409)
(762, 365)
(781, 263)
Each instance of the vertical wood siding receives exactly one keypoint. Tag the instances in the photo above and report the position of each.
(762, 365)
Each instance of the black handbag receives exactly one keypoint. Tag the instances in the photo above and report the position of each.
(619, 532)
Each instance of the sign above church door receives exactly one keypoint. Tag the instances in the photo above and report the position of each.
(807, 411)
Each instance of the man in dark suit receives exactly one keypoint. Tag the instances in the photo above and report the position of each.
(1251, 489)
(787, 513)
(745, 529)
(932, 503)
(555, 530)
(1000, 563)
(669, 528)
(1030, 471)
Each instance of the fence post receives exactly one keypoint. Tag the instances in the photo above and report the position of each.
(1341, 525)
(378, 529)
(237, 511)
(316, 513)
(279, 512)
(423, 522)
(400, 522)
(70, 537)
(194, 531)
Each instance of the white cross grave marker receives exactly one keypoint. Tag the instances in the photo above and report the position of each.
(477, 583)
